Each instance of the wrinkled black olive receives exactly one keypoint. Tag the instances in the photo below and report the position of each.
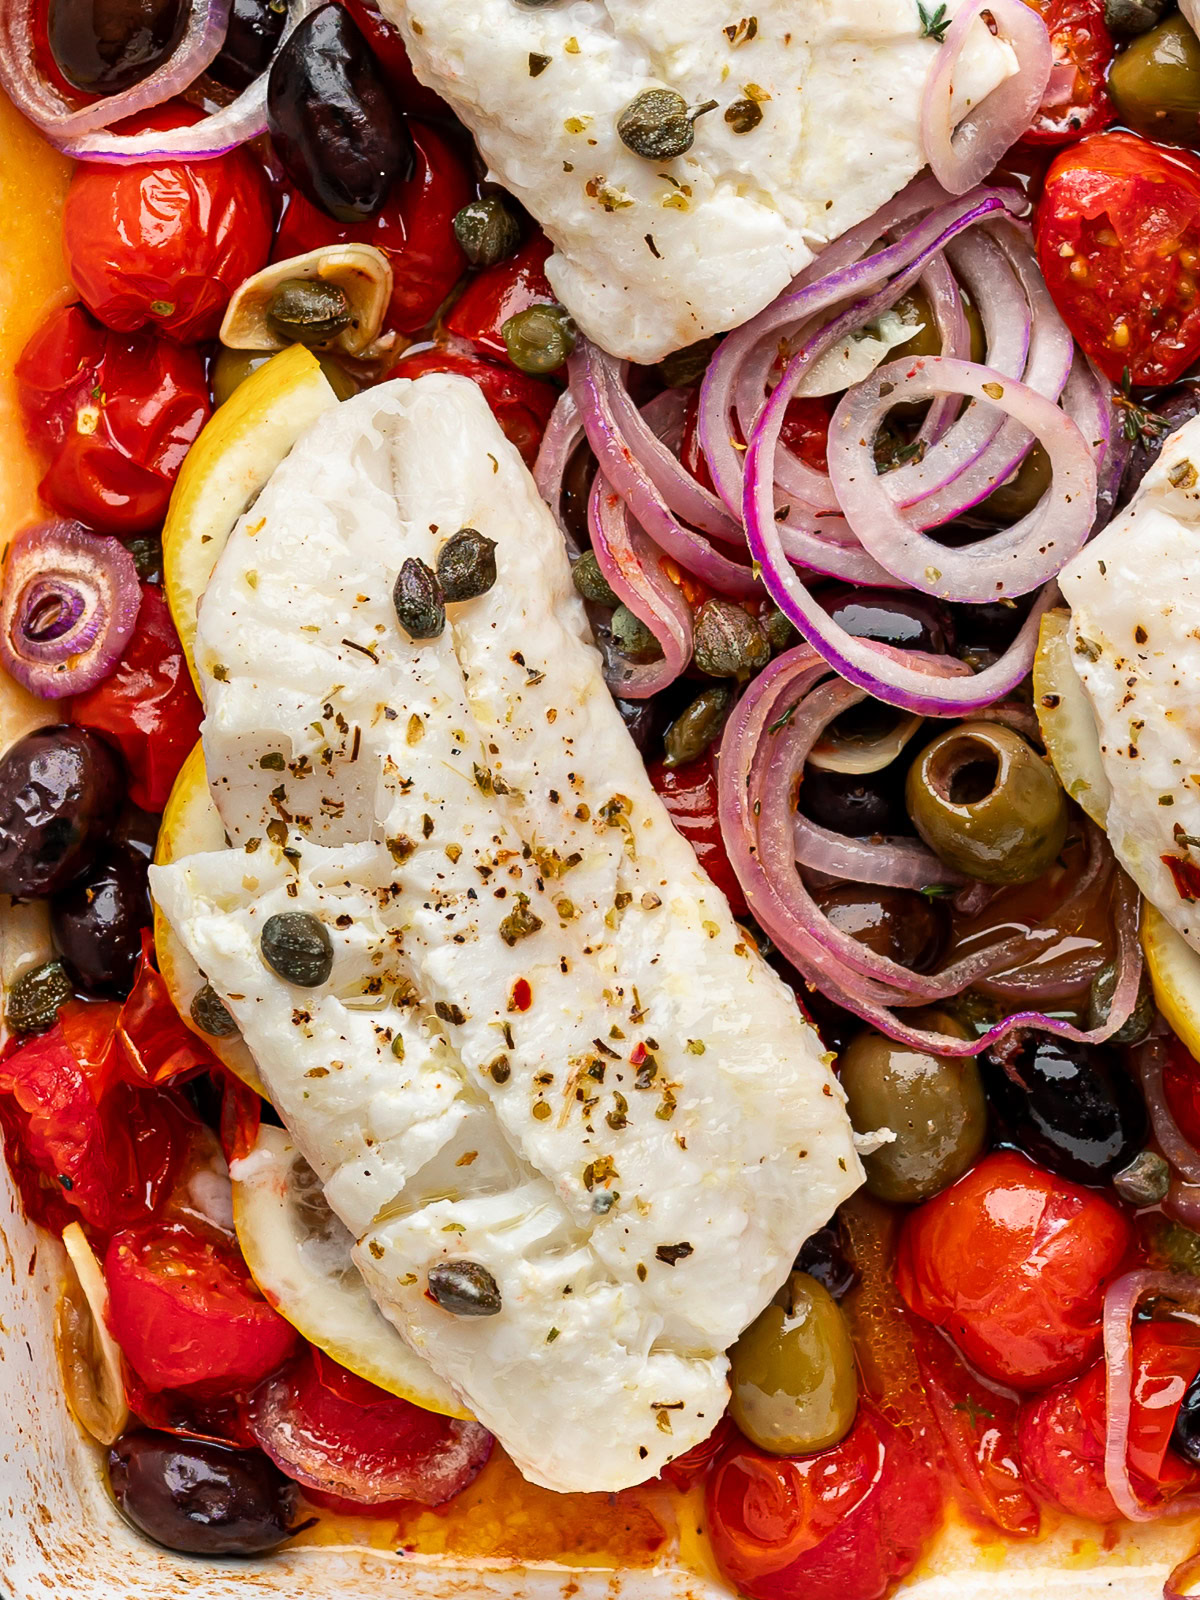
(466, 565)
(60, 788)
(906, 926)
(199, 1497)
(1159, 415)
(97, 922)
(332, 120)
(418, 599)
(465, 1288)
(577, 490)
(210, 1013)
(254, 30)
(855, 803)
(34, 999)
(104, 46)
(823, 1257)
(298, 947)
(908, 621)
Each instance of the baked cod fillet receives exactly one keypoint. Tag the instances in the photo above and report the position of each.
(545, 1048)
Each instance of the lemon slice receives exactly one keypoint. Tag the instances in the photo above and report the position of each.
(191, 823)
(1065, 715)
(238, 450)
(1174, 969)
(299, 1256)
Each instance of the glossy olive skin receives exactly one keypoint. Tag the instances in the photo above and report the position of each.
(332, 120)
(908, 621)
(97, 922)
(1174, 406)
(60, 788)
(792, 1372)
(576, 491)
(1155, 83)
(987, 804)
(901, 924)
(987, 629)
(638, 717)
(104, 46)
(855, 803)
(1071, 1107)
(822, 1257)
(201, 1498)
(1017, 498)
(254, 30)
(934, 1104)
(1185, 1436)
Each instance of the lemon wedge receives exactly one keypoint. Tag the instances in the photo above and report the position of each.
(1064, 714)
(298, 1253)
(1174, 969)
(238, 450)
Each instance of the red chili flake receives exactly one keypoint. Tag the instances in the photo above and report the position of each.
(637, 1055)
(1186, 875)
(521, 997)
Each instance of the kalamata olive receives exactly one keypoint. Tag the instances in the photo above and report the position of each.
(138, 829)
(823, 1257)
(907, 620)
(856, 803)
(466, 565)
(199, 1497)
(933, 1104)
(576, 492)
(901, 924)
(97, 922)
(591, 582)
(332, 120)
(1072, 1107)
(60, 788)
(1185, 1436)
(638, 717)
(465, 1288)
(1161, 415)
(250, 41)
(792, 1372)
(298, 947)
(104, 46)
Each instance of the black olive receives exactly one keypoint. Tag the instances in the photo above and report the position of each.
(254, 31)
(104, 46)
(201, 1498)
(1185, 1436)
(577, 490)
(908, 621)
(855, 803)
(297, 946)
(465, 1288)
(1158, 415)
(466, 565)
(899, 923)
(332, 120)
(823, 1257)
(60, 788)
(835, 1026)
(138, 829)
(990, 627)
(97, 922)
(418, 599)
(638, 717)
(1071, 1107)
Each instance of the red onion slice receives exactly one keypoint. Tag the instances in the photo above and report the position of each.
(68, 607)
(563, 433)
(1150, 1059)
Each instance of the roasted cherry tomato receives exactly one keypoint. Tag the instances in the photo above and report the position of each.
(1076, 101)
(1013, 1262)
(805, 433)
(1181, 1084)
(843, 1524)
(520, 404)
(147, 704)
(1118, 239)
(113, 416)
(387, 45)
(499, 292)
(415, 230)
(690, 796)
(185, 1311)
(164, 244)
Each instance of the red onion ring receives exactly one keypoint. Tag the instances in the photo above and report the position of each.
(632, 564)
(1150, 1059)
(563, 433)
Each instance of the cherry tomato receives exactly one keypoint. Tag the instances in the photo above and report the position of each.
(158, 1047)
(415, 230)
(1181, 1084)
(805, 432)
(1118, 239)
(113, 415)
(843, 1524)
(520, 404)
(165, 243)
(1076, 101)
(690, 796)
(389, 49)
(691, 1466)
(499, 292)
(1013, 1262)
(185, 1311)
(147, 704)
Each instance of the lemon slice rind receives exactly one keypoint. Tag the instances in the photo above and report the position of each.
(1174, 969)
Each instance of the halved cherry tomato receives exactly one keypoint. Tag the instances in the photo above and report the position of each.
(805, 432)
(1013, 1262)
(843, 1524)
(415, 230)
(520, 404)
(1118, 239)
(387, 44)
(690, 796)
(113, 415)
(1076, 101)
(499, 292)
(165, 243)
(147, 704)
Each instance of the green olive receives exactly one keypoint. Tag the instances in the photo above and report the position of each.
(297, 946)
(232, 367)
(792, 1372)
(933, 1104)
(1017, 497)
(1155, 83)
(539, 339)
(308, 311)
(987, 804)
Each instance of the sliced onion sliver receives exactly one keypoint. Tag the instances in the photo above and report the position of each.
(632, 564)
(1150, 1059)
(563, 433)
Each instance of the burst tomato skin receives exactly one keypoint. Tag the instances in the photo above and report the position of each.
(689, 793)
(387, 44)
(113, 416)
(499, 292)
(164, 244)
(1118, 240)
(1078, 102)
(805, 432)
(1013, 1262)
(520, 404)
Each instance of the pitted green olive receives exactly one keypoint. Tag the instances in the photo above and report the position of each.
(1155, 83)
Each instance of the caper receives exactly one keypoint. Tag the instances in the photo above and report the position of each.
(743, 116)
(1128, 17)
(308, 311)
(934, 1105)
(986, 804)
(687, 366)
(232, 367)
(466, 565)
(632, 637)
(792, 1372)
(34, 999)
(298, 947)
(1139, 1021)
(486, 230)
(727, 641)
(210, 1013)
(465, 1288)
(591, 582)
(540, 338)
(417, 596)
(1155, 83)
(1145, 1181)
(659, 124)
(695, 728)
(781, 634)
(147, 553)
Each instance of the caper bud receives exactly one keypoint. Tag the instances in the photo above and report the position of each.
(1155, 83)
(591, 582)
(632, 637)
(1145, 1181)
(34, 999)
(1128, 17)
(486, 230)
(727, 641)
(985, 803)
(210, 1013)
(792, 1372)
(743, 116)
(464, 1288)
(308, 311)
(694, 729)
(687, 366)
(1139, 1021)
(147, 553)
(781, 634)
(658, 124)
(417, 596)
(466, 565)
(297, 946)
(539, 339)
